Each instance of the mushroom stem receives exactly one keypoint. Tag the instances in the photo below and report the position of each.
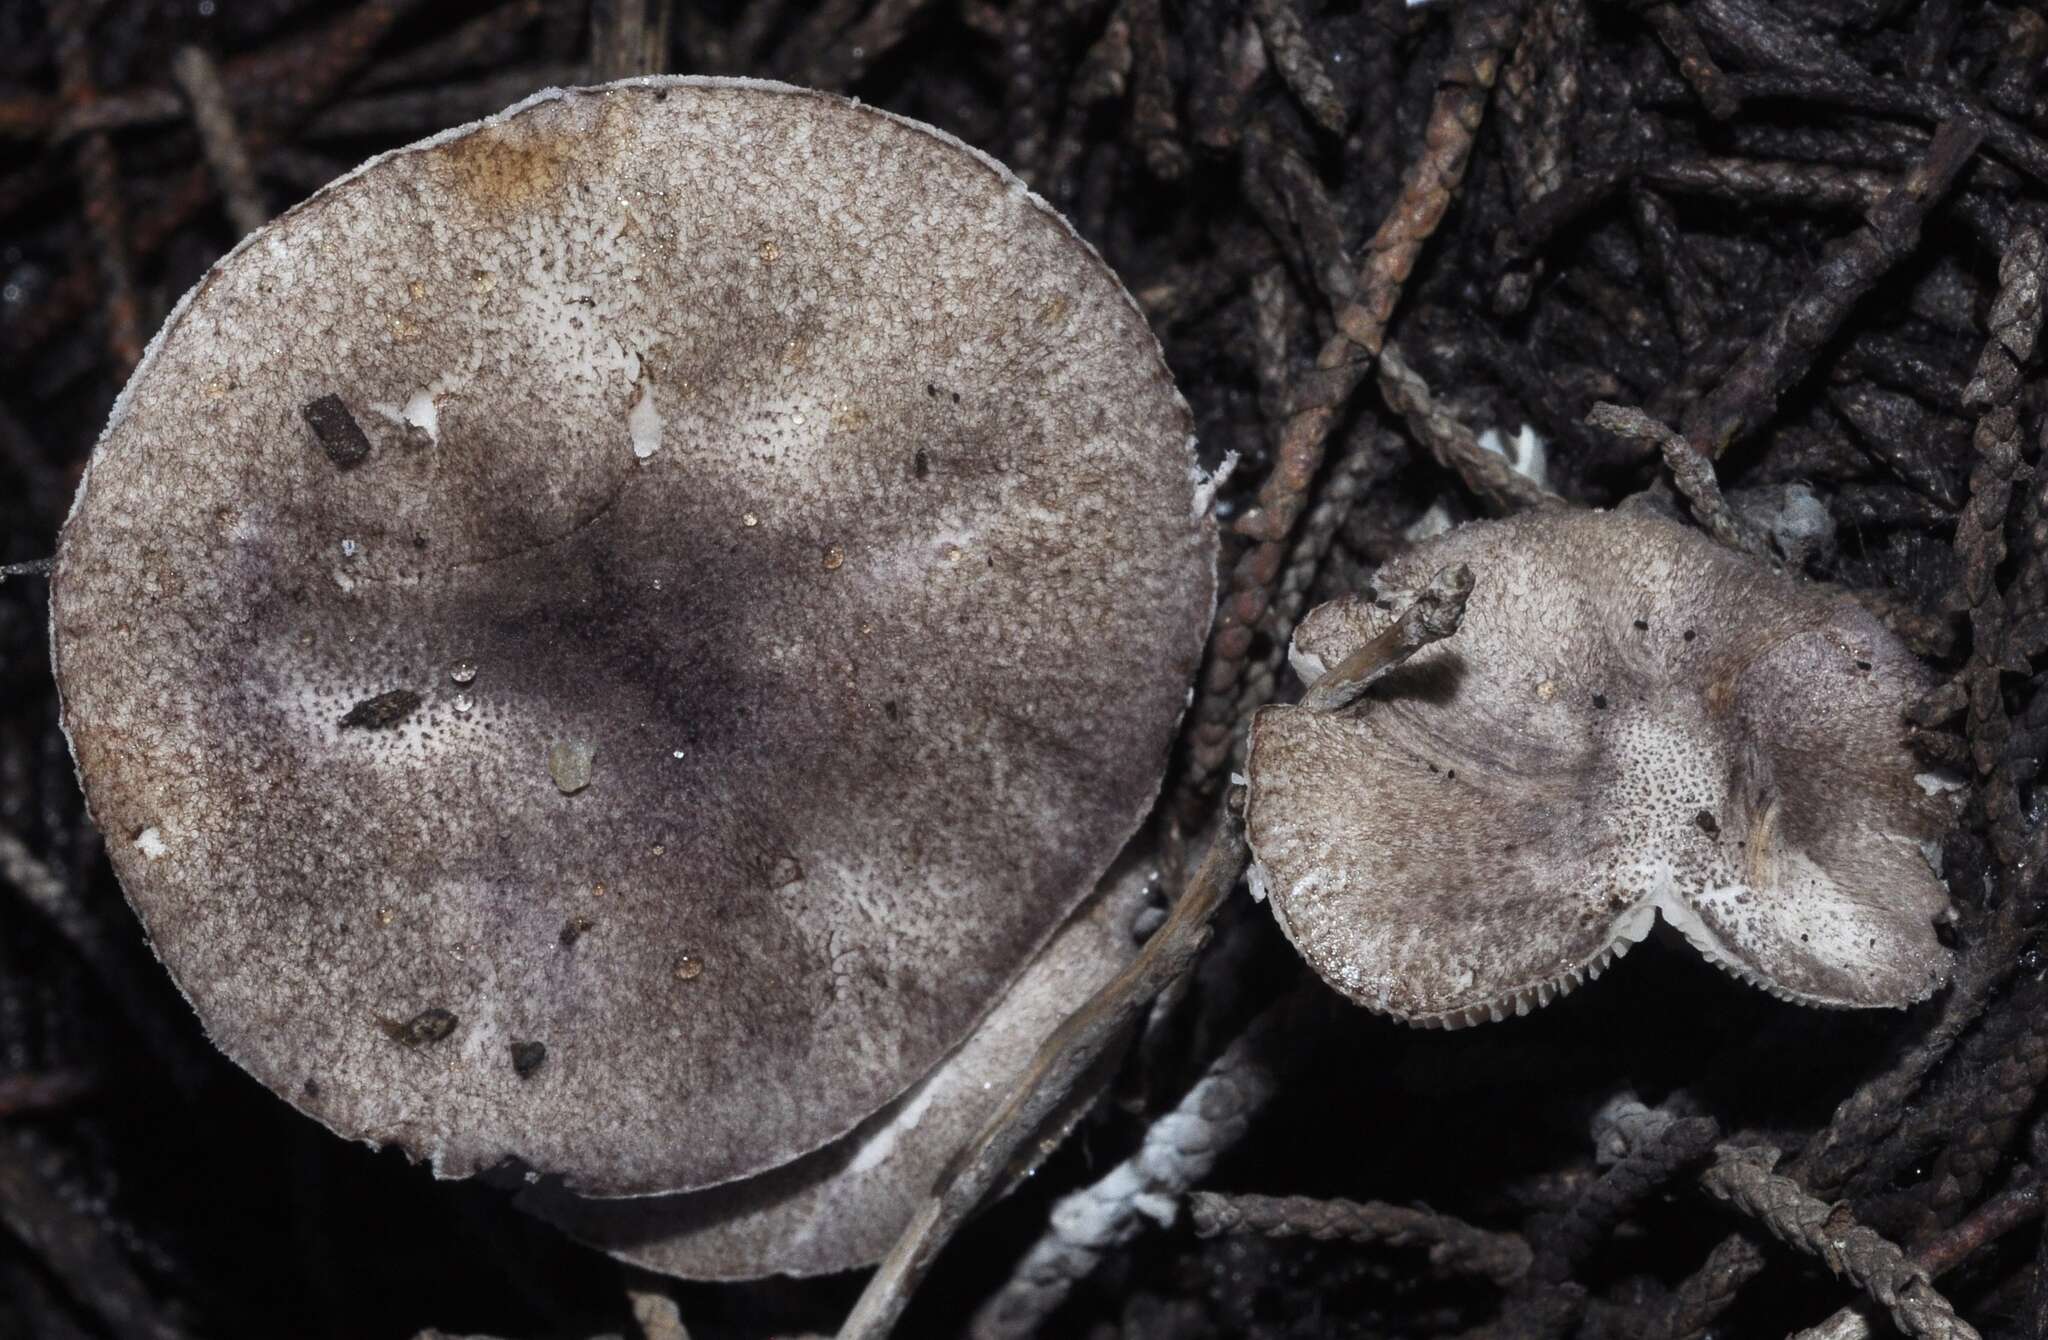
(1062, 1060)
(1432, 616)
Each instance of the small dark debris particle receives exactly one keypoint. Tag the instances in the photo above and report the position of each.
(921, 463)
(1451, 776)
(1690, 635)
(1642, 625)
(1862, 665)
(425, 1027)
(341, 437)
(661, 95)
(1600, 701)
(574, 929)
(527, 1058)
(1707, 822)
(386, 709)
(956, 397)
(890, 710)
(312, 1087)
(931, 390)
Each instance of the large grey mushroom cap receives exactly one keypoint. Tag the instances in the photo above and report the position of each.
(696, 576)
(844, 1206)
(1632, 721)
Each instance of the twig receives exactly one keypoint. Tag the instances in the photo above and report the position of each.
(1061, 1061)
(1701, 1297)
(2017, 1205)
(1455, 1247)
(1370, 449)
(74, 1248)
(622, 41)
(1082, 1038)
(35, 567)
(99, 181)
(33, 1093)
(1748, 394)
(1994, 392)
(1178, 1150)
(1539, 95)
(1296, 60)
(1744, 1178)
(1771, 182)
(1432, 616)
(1484, 30)
(1155, 123)
(1682, 40)
(1691, 471)
(199, 79)
(1490, 475)
(1658, 1144)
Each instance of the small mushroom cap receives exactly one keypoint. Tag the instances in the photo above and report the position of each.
(844, 1206)
(1632, 720)
(761, 614)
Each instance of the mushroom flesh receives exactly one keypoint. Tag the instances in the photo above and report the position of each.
(1632, 721)
(609, 637)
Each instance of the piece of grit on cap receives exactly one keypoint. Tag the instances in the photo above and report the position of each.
(1632, 720)
(608, 638)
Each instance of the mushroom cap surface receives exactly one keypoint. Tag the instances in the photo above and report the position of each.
(1632, 720)
(697, 575)
(843, 1206)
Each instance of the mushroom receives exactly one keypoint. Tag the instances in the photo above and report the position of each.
(758, 617)
(1631, 721)
(842, 1206)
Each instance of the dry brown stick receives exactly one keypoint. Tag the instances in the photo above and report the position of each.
(1085, 1035)
(492, 39)
(219, 138)
(1060, 1062)
(1155, 123)
(623, 42)
(304, 77)
(1857, 91)
(1180, 1147)
(1540, 89)
(1748, 394)
(1745, 1178)
(1452, 445)
(450, 102)
(874, 36)
(1434, 614)
(74, 1247)
(34, 1093)
(1296, 60)
(1701, 1297)
(99, 182)
(1484, 31)
(1691, 471)
(1994, 393)
(2017, 1205)
(1455, 1247)
(1769, 182)
(1368, 445)
(1875, 1110)
(1682, 40)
